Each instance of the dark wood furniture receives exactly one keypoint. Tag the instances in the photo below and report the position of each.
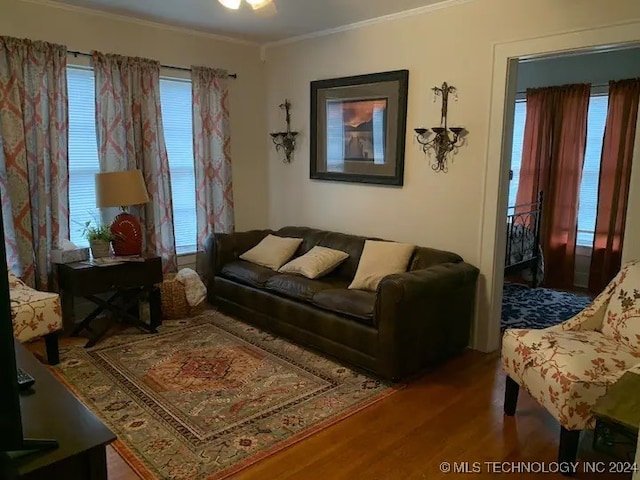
(523, 239)
(617, 416)
(49, 410)
(132, 287)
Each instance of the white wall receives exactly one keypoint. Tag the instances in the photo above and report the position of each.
(455, 44)
(84, 30)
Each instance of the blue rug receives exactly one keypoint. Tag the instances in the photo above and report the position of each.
(524, 307)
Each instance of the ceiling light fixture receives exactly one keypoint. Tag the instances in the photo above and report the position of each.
(232, 4)
(256, 4)
(235, 4)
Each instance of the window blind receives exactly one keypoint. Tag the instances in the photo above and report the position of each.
(516, 151)
(588, 208)
(83, 152)
(588, 200)
(175, 99)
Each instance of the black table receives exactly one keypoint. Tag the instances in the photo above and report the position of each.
(49, 410)
(132, 287)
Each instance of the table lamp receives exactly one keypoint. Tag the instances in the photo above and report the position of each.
(123, 189)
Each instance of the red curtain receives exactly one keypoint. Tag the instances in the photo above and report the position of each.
(613, 189)
(555, 139)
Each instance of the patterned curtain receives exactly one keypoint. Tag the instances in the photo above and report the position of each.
(130, 135)
(34, 178)
(211, 142)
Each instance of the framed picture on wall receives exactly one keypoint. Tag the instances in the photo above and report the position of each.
(358, 128)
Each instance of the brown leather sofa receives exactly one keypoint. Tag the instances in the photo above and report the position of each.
(414, 319)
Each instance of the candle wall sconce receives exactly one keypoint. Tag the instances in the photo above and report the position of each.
(447, 139)
(285, 141)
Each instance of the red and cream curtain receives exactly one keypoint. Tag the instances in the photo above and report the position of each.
(130, 136)
(211, 142)
(555, 137)
(34, 178)
(615, 177)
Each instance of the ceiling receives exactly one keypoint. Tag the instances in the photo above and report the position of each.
(291, 18)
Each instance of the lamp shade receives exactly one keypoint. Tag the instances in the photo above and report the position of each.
(120, 189)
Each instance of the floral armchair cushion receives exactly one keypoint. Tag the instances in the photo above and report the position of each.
(34, 313)
(566, 371)
(622, 316)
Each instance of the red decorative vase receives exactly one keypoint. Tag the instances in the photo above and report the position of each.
(127, 234)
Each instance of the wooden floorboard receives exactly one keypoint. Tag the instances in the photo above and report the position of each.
(453, 414)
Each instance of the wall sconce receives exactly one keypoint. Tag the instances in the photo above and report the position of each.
(285, 141)
(446, 140)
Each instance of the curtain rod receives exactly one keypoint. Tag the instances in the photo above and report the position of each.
(171, 67)
(594, 86)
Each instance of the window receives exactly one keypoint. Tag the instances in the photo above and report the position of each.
(175, 99)
(587, 210)
(83, 152)
(516, 152)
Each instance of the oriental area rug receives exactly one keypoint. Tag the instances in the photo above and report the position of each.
(209, 396)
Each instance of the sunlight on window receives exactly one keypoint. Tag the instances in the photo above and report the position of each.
(591, 171)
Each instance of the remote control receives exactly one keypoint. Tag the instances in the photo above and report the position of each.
(24, 380)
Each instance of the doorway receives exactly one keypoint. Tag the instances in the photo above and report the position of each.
(529, 301)
(506, 55)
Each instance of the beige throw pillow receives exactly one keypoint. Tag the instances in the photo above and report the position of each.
(272, 252)
(378, 260)
(316, 262)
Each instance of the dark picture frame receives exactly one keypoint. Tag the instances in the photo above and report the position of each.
(358, 128)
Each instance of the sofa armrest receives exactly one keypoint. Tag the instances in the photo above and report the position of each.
(424, 316)
(222, 248)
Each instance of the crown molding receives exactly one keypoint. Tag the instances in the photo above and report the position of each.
(140, 21)
(365, 23)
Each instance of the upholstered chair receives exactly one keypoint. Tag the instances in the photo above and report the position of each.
(35, 314)
(566, 368)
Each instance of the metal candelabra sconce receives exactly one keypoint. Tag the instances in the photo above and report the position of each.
(285, 141)
(446, 140)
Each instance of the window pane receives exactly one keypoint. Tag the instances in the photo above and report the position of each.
(591, 171)
(516, 152)
(83, 151)
(175, 97)
(588, 201)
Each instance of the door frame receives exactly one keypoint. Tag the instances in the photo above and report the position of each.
(506, 56)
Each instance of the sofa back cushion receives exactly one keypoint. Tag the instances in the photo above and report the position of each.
(622, 316)
(423, 257)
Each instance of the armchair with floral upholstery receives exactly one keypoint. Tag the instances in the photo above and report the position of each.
(35, 314)
(566, 368)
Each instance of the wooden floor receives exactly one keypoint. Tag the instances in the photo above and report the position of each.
(453, 414)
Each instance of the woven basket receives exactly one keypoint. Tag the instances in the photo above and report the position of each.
(173, 299)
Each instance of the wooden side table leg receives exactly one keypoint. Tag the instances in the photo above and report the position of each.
(68, 311)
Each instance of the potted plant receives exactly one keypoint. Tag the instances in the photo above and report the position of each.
(99, 237)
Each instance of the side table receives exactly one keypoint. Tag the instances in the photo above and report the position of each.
(617, 416)
(131, 283)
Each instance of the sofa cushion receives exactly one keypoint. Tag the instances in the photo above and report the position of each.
(378, 260)
(272, 252)
(310, 237)
(358, 304)
(316, 263)
(300, 288)
(247, 273)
